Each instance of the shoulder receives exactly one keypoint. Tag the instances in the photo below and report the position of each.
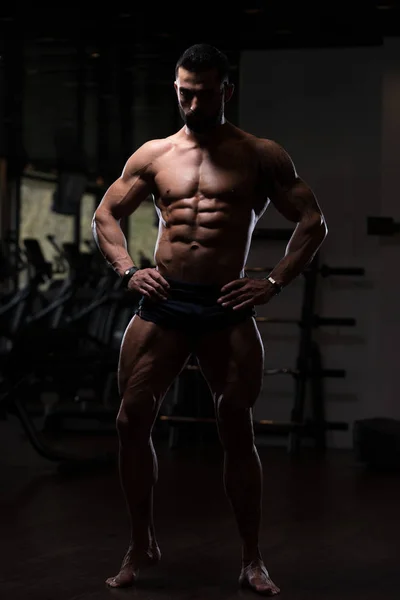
(266, 151)
(143, 159)
(271, 153)
(275, 161)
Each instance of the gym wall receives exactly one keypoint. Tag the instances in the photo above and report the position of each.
(336, 111)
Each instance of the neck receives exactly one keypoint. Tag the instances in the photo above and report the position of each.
(204, 136)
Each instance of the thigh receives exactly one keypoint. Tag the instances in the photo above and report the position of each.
(232, 362)
(150, 358)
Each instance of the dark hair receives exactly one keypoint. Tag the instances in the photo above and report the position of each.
(203, 57)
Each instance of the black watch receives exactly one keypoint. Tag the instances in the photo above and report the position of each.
(127, 275)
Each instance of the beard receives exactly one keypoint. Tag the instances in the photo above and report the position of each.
(199, 123)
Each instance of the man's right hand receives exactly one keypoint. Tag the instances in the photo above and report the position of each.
(149, 283)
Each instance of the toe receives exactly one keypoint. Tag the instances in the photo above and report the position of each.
(264, 587)
(124, 579)
(265, 590)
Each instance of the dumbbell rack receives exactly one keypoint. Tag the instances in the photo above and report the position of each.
(309, 363)
(309, 373)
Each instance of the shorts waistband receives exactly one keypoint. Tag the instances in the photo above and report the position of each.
(196, 293)
(189, 285)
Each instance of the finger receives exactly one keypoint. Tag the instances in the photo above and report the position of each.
(155, 275)
(157, 288)
(245, 304)
(154, 283)
(237, 283)
(243, 296)
(234, 294)
(152, 292)
(235, 301)
(229, 297)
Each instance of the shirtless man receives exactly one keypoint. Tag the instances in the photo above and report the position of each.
(210, 183)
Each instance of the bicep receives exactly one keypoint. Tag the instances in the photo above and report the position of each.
(127, 192)
(295, 201)
(288, 192)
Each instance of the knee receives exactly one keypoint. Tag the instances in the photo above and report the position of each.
(238, 397)
(136, 414)
(235, 426)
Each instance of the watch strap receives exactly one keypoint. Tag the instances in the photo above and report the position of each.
(127, 275)
(278, 288)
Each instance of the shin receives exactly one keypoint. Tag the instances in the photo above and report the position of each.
(242, 473)
(138, 463)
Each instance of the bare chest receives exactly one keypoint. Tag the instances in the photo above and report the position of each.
(220, 175)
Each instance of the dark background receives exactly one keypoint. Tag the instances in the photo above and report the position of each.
(106, 72)
(80, 88)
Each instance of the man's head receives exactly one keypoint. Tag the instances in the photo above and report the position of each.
(202, 86)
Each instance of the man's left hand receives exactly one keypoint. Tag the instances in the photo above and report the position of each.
(245, 292)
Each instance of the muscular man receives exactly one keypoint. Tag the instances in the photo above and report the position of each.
(210, 182)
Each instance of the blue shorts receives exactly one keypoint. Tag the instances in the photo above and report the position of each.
(192, 307)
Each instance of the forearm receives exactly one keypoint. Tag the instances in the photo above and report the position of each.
(301, 249)
(111, 241)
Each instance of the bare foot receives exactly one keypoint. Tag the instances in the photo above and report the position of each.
(131, 564)
(255, 576)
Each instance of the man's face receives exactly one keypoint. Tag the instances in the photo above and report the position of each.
(201, 99)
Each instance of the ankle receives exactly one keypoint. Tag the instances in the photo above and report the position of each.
(251, 555)
(142, 542)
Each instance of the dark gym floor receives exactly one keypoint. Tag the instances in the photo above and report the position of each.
(331, 529)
